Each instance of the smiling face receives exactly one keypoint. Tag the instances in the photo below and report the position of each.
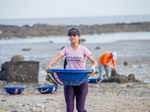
(74, 39)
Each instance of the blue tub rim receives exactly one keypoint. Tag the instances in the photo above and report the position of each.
(70, 70)
(17, 87)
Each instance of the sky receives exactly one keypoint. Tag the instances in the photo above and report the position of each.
(19, 9)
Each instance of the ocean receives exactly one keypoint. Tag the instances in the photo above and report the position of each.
(77, 20)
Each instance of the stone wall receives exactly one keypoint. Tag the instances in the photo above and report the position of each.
(20, 71)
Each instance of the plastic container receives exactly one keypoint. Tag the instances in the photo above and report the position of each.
(14, 90)
(49, 89)
(94, 80)
(69, 77)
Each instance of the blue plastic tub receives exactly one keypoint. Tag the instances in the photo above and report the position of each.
(15, 90)
(69, 77)
(94, 80)
(49, 89)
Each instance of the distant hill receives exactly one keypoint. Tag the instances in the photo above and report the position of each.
(37, 30)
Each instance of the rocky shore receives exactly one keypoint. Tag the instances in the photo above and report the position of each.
(38, 30)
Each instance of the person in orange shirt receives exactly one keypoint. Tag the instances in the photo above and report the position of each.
(104, 61)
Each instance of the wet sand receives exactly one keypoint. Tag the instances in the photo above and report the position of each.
(102, 97)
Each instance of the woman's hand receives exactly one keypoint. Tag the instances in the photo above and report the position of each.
(93, 61)
(47, 68)
(93, 68)
(50, 79)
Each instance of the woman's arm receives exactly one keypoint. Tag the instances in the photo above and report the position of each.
(94, 63)
(54, 60)
(92, 60)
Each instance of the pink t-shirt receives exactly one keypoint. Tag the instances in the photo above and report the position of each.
(76, 59)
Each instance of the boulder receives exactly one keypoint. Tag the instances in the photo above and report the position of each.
(131, 77)
(26, 49)
(62, 47)
(125, 63)
(17, 58)
(120, 78)
(97, 48)
(114, 73)
(123, 79)
(82, 40)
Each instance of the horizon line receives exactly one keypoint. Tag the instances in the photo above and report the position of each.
(73, 17)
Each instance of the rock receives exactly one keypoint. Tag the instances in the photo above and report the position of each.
(97, 48)
(37, 30)
(51, 42)
(3, 100)
(116, 77)
(26, 26)
(26, 49)
(131, 77)
(82, 40)
(114, 72)
(17, 58)
(62, 47)
(125, 63)
(123, 79)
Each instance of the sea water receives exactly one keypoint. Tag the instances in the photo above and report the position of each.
(97, 38)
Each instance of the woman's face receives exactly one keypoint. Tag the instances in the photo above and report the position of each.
(74, 39)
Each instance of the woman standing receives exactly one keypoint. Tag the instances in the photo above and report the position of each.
(76, 55)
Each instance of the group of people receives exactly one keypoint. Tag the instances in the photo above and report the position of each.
(75, 58)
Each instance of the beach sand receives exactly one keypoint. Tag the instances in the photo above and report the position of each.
(102, 97)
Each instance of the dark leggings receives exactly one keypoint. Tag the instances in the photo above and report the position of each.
(80, 92)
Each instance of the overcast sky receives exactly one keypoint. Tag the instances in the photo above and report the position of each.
(71, 8)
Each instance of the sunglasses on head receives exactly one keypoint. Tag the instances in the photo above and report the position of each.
(72, 35)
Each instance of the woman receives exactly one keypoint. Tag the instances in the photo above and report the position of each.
(76, 55)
